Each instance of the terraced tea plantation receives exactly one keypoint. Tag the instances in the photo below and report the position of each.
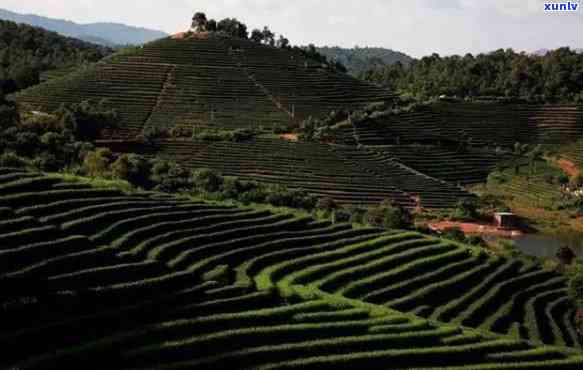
(344, 173)
(95, 278)
(213, 82)
(486, 124)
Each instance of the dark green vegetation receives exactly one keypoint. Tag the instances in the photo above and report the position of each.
(346, 174)
(26, 52)
(554, 77)
(362, 59)
(209, 80)
(111, 280)
(108, 34)
(462, 126)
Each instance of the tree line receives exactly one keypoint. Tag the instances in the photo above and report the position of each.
(556, 77)
(26, 52)
(232, 27)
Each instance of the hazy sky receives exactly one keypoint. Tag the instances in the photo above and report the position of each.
(417, 27)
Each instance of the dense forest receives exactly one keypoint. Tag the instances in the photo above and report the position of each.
(358, 60)
(556, 76)
(26, 52)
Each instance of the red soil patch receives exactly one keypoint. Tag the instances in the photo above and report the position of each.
(289, 137)
(196, 36)
(179, 35)
(569, 167)
(475, 228)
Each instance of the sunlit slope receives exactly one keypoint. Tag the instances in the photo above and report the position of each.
(208, 81)
(102, 279)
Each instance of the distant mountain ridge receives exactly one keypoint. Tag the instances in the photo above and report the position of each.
(108, 34)
(358, 59)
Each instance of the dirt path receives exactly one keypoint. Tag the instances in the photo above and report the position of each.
(569, 167)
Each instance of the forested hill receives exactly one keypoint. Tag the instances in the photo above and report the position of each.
(358, 60)
(108, 34)
(555, 77)
(26, 52)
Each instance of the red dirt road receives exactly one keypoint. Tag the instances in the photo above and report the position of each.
(569, 167)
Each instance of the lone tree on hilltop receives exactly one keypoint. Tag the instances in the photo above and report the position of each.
(199, 22)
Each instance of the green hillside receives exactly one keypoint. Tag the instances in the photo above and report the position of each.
(98, 277)
(358, 60)
(26, 52)
(208, 80)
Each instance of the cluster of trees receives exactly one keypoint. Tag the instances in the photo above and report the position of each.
(51, 142)
(554, 77)
(151, 133)
(234, 28)
(26, 52)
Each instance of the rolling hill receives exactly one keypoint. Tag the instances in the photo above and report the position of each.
(209, 81)
(358, 60)
(108, 34)
(98, 277)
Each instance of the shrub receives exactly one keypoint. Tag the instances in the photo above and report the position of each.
(466, 209)
(96, 163)
(205, 180)
(454, 233)
(389, 215)
(326, 204)
(169, 177)
(151, 133)
(10, 159)
(281, 196)
(341, 215)
(133, 168)
(476, 240)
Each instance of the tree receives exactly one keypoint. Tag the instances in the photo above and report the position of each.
(268, 36)
(389, 215)
(282, 42)
(132, 168)
(212, 25)
(232, 27)
(206, 180)
(96, 163)
(199, 22)
(256, 36)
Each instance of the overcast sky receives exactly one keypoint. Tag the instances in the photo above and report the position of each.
(416, 27)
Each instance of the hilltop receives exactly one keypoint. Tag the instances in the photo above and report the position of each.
(108, 34)
(209, 80)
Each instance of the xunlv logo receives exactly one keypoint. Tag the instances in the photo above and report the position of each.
(561, 7)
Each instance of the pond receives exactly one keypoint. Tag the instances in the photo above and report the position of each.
(546, 245)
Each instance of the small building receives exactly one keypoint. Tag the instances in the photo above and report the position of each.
(506, 220)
